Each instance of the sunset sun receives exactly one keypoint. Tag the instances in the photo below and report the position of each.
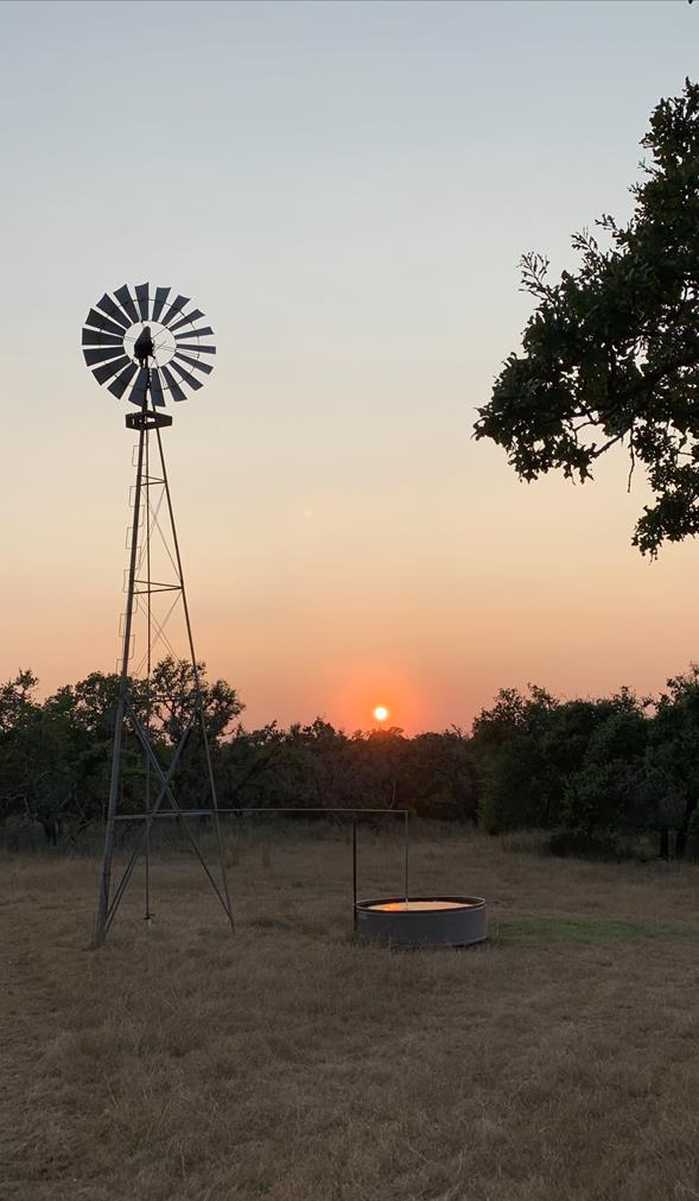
(381, 712)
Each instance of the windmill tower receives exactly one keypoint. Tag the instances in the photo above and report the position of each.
(148, 347)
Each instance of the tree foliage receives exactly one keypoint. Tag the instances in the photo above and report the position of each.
(591, 770)
(611, 353)
(587, 770)
(55, 756)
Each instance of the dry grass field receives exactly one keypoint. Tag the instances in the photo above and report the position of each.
(178, 1063)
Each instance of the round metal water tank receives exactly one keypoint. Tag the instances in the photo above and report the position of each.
(423, 921)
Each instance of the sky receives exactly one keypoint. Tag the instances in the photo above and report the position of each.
(345, 189)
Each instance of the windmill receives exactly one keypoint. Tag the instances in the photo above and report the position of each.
(148, 347)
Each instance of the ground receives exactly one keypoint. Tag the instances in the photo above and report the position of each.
(180, 1063)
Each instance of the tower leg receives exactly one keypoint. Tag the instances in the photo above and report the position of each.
(106, 873)
(195, 670)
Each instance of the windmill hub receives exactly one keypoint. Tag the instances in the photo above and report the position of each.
(151, 345)
(143, 346)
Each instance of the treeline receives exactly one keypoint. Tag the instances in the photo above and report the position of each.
(589, 771)
(55, 756)
(593, 771)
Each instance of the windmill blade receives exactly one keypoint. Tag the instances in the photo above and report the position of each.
(107, 305)
(189, 318)
(101, 322)
(159, 302)
(100, 356)
(118, 319)
(156, 388)
(205, 367)
(177, 393)
(175, 308)
(92, 338)
(193, 333)
(199, 349)
(142, 300)
(102, 374)
(187, 376)
(126, 301)
(138, 392)
(121, 383)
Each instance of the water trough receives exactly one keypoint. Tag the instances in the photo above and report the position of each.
(454, 921)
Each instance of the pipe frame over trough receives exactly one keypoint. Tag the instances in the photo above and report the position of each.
(156, 813)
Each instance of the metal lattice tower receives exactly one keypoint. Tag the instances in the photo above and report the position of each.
(146, 346)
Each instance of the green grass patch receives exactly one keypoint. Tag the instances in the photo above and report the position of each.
(586, 930)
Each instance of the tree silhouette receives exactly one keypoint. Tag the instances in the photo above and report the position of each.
(611, 353)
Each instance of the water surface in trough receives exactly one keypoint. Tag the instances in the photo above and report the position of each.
(413, 906)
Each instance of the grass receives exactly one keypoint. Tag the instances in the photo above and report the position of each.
(555, 1062)
(534, 930)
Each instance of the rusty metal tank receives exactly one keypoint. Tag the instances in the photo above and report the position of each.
(453, 921)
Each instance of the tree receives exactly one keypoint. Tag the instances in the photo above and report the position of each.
(55, 757)
(529, 748)
(16, 700)
(673, 753)
(514, 771)
(38, 758)
(18, 716)
(443, 779)
(95, 702)
(309, 768)
(607, 794)
(611, 352)
(85, 714)
(174, 696)
(244, 766)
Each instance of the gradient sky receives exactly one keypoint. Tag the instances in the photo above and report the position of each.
(345, 189)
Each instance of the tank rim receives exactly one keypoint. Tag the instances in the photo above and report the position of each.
(367, 906)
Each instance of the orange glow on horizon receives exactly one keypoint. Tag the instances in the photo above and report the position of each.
(374, 682)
